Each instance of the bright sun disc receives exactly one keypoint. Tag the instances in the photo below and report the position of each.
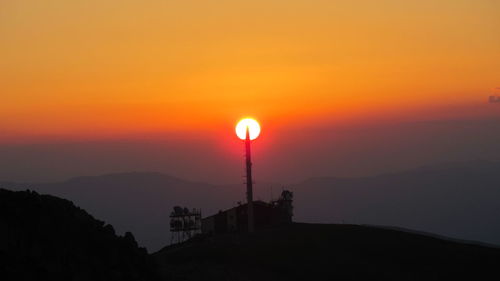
(253, 128)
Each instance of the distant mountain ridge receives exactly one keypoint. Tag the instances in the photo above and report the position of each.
(475, 165)
(459, 200)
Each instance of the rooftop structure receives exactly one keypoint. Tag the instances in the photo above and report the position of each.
(265, 215)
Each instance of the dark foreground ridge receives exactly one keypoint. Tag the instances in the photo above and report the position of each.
(47, 238)
(327, 252)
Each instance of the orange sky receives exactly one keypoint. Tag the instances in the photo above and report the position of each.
(103, 67)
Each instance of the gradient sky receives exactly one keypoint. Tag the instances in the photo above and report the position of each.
(108, 70)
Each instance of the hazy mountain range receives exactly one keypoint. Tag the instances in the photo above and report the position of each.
(459, 200)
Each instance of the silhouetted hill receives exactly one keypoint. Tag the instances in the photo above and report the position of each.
(453, 199)
(47, 238)
(139, 202)
(327, 252)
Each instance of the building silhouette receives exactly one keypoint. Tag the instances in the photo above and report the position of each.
(265, 215)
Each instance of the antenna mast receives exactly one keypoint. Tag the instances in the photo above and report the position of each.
(249, 182)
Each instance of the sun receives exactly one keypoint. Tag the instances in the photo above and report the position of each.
(253, 128)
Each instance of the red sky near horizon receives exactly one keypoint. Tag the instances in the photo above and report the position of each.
(97, 69)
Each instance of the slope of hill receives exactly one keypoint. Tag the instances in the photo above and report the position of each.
(327, 252)
(47, 238)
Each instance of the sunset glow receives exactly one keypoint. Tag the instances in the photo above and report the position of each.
(87, 69)
(253, 128)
